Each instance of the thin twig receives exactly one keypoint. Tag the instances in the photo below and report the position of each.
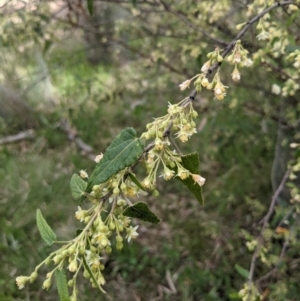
(191, 25)
(265, 223)
(29, 134)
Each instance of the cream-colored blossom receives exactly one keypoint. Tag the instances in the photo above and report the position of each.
(80, 214)
(220, 91)
(131, 233)
(185, 84)
(263, 36)
(21, 281)
(92, 258)
(206, 67)
(236, 76)
(98, 158)
(276, 89)
(204, 82)
(198, 179)
(168, 173)
(83, 174)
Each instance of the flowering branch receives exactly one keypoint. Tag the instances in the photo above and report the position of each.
(211, 68)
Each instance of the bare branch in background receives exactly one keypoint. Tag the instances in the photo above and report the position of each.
(29, 134)
(86, 150)
(265, 223)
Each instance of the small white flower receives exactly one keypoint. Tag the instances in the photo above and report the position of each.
(294, 145)
(131, 233)
(205, 67)
(80, 214)
(236, 76)
(98, 158)
(247, 62)
(263, 36)
(83, 174)
(185, 84)
(276, 89)
(198, 179)
(92, 258)
(21, 281)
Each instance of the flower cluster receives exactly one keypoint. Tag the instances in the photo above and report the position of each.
(295, 55)
(214, 57)
(180, 119)
(87, 251)
(238, 58)
(249, 292)
(172, 167)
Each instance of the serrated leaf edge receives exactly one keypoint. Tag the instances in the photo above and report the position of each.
(45, 230)
(62, 285)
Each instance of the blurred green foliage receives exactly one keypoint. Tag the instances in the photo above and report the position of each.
(144, 53)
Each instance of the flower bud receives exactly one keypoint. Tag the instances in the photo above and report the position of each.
(104, 241)
(87, 219)
(57, 258)
(33, 276)
(116, 191)
(119, 246)
(112, 226)
(120, 227)
(210, 86)
(73, 298)
(73, 266)
(86, 274)
(119, 238)
(47, 284)
(204, 82)
(108, 249)
(101, 279)
(155, 193)
(72, 250)
(96, 188)
(123, 186)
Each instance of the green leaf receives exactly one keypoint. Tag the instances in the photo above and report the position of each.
(292, 48)
(243, 272)
(62, 285)
(141, 211)
(136, 181)
(191, 163)
(90, 5)
(92, 275)
(123, 152)
(78, 186)
(46, 232)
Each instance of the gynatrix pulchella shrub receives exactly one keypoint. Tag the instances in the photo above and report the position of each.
(112, 186)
